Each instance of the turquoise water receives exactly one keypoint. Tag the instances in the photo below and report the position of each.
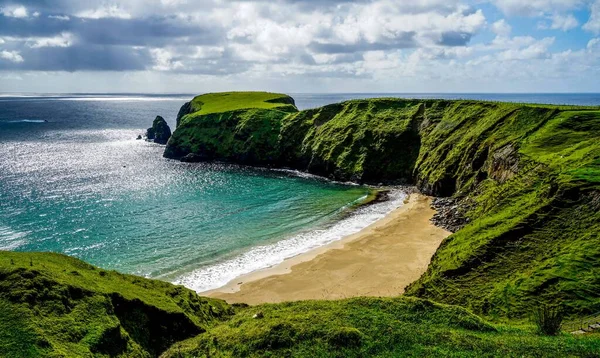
(82, 185)
(73, 179)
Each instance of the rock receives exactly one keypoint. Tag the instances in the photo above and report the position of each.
(159, 132)
(139, 137)
(259, 315)
(450, 214)
(194, 158)
(150, 134)
(184, 110)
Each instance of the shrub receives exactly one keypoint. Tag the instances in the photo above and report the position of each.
(548, 320)
(345, 337)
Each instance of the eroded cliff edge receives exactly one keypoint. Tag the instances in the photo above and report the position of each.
(527, 178)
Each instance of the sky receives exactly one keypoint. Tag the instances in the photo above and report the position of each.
(292, 46)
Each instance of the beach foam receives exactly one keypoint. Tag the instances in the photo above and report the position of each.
(265, 256)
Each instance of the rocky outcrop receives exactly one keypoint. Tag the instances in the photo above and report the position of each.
(159, 132)
(514, 178)
(183, 111)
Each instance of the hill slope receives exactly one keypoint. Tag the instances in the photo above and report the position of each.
(236, 126)
(526, 177)
(54, 305)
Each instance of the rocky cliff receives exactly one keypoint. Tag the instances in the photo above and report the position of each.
(526, 180)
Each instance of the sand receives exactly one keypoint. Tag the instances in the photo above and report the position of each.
(380, 260)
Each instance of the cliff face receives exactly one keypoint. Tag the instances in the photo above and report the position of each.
(526, 176)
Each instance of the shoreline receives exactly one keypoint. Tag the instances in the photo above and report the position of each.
(396, 248)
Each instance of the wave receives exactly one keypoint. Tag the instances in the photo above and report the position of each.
(26, 121)
(9, 239)
(262, 257)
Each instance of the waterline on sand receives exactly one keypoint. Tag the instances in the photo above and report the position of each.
(265, 256)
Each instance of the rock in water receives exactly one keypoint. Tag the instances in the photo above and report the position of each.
(150, 134)
(159, 132)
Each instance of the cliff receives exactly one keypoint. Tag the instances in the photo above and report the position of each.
(526, 179)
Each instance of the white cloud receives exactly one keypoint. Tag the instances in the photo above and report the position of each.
(593, 24)
(207, 52)
(65, 39)
(12, 56)
(536, 7)
(163, 60)
(113, 11)
(560, 22)
(501, 28)
(593, 43)
(14, 11)
(536, 50)
(59, 17)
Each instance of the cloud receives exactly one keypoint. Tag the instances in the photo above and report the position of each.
(12, 56)
(106, 11)
(560, 22)
(501, 28)
(536, 50)
(536, 7)
(316, 43)
(593, 24)
(80, 58)
(18, 12)
(65, 39)
(163, 60)
(59, 17)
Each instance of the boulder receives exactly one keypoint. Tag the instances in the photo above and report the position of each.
(159, 132)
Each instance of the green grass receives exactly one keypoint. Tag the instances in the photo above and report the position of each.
(528, 177)
(54, 305)
(232, 101)
(374, 327)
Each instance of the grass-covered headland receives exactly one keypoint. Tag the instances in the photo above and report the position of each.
(52, 305)
(527, 182)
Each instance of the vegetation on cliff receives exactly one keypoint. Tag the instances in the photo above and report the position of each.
(57, 306)
(52, 305)
(237, 126)
(527, 178)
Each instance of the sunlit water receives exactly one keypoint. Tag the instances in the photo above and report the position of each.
(73, 179)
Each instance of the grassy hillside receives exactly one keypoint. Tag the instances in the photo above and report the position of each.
(534, 207)
(373, 327)
(235, 126)
(56, 306)
(232, 101)
(527, 177)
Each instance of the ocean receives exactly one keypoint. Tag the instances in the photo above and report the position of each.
(73, 179)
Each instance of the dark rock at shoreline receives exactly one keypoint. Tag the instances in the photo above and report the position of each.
(449, 215)
(139, 137)
(193, 158)
(159, 132)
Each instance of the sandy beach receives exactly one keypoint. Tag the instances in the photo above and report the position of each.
(380, 260)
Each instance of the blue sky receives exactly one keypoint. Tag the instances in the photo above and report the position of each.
(300, 45)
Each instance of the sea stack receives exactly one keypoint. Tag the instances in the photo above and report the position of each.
(159, 132)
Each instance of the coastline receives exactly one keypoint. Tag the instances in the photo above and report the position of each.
(380, 260)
